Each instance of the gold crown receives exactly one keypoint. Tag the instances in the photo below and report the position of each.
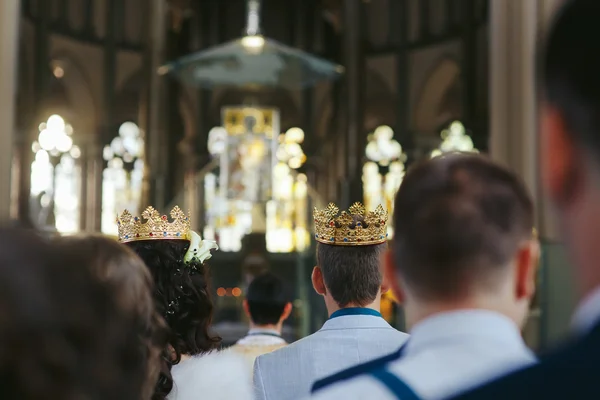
(156, 226)
(352, 228)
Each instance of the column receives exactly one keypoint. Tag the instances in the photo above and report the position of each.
(9, 43)
(514, 29)
(353, 101)
(151, 110)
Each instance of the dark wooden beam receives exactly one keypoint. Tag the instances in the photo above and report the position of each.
(353, 102)
(89, 27)
(402, 132)
(424, 19)
(109, 70)
(63, 12)
(469, 64)
(390, 49)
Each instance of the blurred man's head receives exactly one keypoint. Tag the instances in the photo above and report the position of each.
(62, 334)
(570, 131)
(463, 238)
(267, 301)
(348, 276)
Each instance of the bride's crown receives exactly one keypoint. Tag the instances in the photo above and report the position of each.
(156, 226)
(351, 228)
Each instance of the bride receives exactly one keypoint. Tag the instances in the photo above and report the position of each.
(175, 255)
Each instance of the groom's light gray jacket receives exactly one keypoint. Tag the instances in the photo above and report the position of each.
(288, 373)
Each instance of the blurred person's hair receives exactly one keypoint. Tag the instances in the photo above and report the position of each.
(182, 297)
(569, 74)
(131, 286)
(458, 221)
(62, 335)
(351, 273)
(266, 297)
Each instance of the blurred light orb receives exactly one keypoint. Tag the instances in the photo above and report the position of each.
(56, 123)
(42, 157)
(129, 129)
(281, 170)
(108, 153)
(253, 42)
(46, 140)
(370, 168)
(295, 135)
(64, 143)
(383, 132)
(117, 145)
(75, 152)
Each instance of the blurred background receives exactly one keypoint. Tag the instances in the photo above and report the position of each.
(250, 113)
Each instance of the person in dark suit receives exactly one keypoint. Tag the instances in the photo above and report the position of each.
(570, 170)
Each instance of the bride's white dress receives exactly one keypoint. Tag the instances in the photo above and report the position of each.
(213, 376)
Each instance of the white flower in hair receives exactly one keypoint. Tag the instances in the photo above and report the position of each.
(199, 249)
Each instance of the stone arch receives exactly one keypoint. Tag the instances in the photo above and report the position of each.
(128, 97)
(74, 98)
(439, 99)
(380, 102)
(380, 106)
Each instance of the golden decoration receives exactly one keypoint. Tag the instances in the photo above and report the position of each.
(354, 227)
(156, 227)
(235, 120)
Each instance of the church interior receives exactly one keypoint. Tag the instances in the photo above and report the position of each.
(248, 114)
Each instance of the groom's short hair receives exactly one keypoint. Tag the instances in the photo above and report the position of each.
(458, 221)
(352, 274)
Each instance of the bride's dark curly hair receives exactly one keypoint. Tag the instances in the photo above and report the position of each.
(182, 297)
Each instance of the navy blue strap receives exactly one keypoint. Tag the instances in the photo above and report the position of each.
(357, 370)
(394, 384)
(355, 311)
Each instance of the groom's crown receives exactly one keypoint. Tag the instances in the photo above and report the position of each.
(354, 227)
(155, 227)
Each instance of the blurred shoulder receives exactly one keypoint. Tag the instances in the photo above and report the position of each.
(571, 372)
(214, 375)
(298, 346)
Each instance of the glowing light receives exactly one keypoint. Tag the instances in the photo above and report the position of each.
(221, 292)
(237, 292)
(281, 170)
(129, 129)
(63, 143)
(108, 153)
(75, 152)
(295, 135)
(42, 157)
(58, 72)
(217, 139)
(46, 140)
(56, 123)
(295, 162)
(382, 148)
(289, 150)
(454, 138)
(382, 151)
(253, 42)
(117, 145)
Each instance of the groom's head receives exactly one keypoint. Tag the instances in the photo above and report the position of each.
(349, 276)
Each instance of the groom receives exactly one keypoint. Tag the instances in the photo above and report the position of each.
(349, 278)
